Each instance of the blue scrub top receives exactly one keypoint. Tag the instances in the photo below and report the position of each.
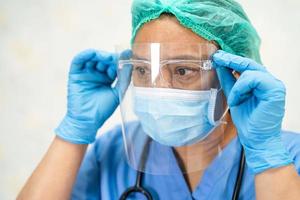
(105, 173)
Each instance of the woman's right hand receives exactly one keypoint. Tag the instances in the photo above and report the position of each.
(91, 97)
(91, 100)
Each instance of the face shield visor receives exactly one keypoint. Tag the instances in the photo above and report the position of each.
(172, 106)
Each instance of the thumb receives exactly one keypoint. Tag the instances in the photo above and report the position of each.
(226, 79)
(124, 74)
(124, 78)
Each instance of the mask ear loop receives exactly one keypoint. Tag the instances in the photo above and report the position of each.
(212, 107)
(211, 112)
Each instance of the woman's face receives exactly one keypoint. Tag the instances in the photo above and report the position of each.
(176, 43)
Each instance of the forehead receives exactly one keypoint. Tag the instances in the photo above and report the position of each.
(148, 51)
(176, 40)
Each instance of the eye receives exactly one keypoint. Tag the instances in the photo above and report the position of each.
(182, 71)
(140, 70)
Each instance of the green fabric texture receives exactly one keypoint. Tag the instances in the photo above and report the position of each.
(222, 21)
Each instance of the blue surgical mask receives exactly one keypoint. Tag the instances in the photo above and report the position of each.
(175, 117)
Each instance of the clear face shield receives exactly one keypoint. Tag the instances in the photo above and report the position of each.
(172, 106)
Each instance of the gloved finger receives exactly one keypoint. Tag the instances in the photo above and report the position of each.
(260, 84)
(112, 71)
(79, 60)
(104, 57)
(124, 79)
(226, 79)
(90, 66)
(113, 67)
(242, 88)
(125, 55)
(124, 73)
(101, 66)
(104, 60)
(237, 63)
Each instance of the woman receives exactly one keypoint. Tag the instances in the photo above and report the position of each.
(256, 102)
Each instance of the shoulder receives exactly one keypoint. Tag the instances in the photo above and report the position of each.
(292, 143)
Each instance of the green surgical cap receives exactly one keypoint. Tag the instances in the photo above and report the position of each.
(222, 21)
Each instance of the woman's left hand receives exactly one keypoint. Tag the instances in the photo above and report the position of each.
(257, 105)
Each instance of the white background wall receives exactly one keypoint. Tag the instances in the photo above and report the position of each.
(39, 38)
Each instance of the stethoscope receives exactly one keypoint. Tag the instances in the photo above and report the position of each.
(138, 188)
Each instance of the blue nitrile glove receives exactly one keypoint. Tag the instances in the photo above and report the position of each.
(257, 104)
(91, 97)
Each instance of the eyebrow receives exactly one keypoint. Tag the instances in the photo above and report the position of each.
(177, 57)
